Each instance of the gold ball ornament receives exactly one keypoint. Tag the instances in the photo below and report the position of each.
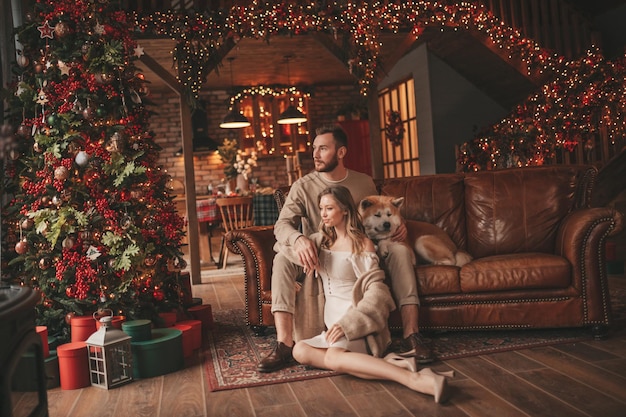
(88, 113)
(136, 193)
(27, 224)
(126, 222)
(44, 263)
(68, 242)
(22, 61)
(103, 77)
(150, 261)
(61, 173)
(61, 29)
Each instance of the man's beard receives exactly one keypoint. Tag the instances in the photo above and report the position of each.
(330, 166)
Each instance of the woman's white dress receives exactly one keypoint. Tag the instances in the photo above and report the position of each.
(338, 277)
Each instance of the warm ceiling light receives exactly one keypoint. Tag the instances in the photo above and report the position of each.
(234, 119)
(291, 115)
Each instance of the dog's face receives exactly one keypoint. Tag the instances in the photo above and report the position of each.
(381, 215)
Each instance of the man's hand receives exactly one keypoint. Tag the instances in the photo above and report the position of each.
(400, 234)
(307, 252)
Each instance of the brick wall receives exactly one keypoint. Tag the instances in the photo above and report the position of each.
(208, 167)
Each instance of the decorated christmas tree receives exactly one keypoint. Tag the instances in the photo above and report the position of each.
(89, 222)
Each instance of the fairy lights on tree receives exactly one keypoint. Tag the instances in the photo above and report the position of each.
(90, 222)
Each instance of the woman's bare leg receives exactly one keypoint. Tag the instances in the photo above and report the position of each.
(363, 366)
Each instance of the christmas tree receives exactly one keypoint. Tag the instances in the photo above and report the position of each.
(89, 221)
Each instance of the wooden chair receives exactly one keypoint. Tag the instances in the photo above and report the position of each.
(280, 194)
(236, 213)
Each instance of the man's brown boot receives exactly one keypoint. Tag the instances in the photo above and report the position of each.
(280, 357)
(415, 345)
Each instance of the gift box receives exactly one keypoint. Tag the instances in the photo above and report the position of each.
(160, 355)
(138, 330)
(73, 365)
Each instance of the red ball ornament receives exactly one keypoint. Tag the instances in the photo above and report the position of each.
(158, 295)
(24, 131)
(68, 316)
(21, 247)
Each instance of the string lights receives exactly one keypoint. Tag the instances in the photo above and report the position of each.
(199, 36)
(586, 96)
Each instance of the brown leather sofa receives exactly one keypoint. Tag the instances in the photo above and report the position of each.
(538, 251)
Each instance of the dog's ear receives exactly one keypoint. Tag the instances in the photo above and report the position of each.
(365, 203)
(397, 201)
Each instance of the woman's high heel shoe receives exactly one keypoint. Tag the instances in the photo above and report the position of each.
(402, 361)
(440, 385)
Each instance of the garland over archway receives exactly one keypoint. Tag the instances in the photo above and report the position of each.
(199, 36)
(586, 95)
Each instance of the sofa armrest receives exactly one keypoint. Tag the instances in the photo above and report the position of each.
(581, 239)
(256, 247)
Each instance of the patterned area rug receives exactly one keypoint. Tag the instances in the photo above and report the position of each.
(234, 350)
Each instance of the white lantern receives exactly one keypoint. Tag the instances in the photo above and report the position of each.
(110, 356)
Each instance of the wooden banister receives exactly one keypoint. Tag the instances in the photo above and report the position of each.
(553, 24)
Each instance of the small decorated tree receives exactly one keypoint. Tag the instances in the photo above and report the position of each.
(90, 222)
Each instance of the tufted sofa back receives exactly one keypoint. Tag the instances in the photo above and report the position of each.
(497, 212)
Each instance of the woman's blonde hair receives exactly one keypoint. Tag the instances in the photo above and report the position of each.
(354, 226)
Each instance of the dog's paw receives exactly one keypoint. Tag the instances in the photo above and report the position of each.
(383, 249)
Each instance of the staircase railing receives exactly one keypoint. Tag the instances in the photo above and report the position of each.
(553, 24)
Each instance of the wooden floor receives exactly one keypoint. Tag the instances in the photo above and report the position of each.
(583, 379)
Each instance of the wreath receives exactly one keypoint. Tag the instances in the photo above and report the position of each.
(394, 128)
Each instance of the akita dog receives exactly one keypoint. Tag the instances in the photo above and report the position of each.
(381, 218)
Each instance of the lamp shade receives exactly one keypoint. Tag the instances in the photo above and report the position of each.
(234, 120)
(291, 116)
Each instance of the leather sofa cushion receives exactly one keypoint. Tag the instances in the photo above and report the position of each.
(515, 211)
(437, 279)
(515, 272)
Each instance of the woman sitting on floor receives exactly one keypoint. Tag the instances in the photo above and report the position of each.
(357, 304)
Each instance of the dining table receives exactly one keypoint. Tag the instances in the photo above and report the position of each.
(264, 209)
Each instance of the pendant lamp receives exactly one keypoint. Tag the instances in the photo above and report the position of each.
(291, 115)
(234, 119)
